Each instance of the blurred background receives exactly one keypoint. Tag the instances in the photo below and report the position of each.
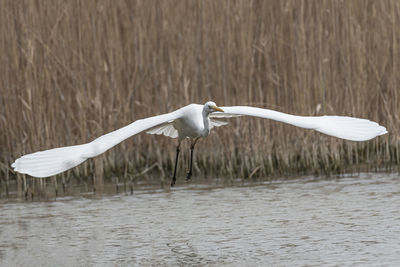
(71, 71)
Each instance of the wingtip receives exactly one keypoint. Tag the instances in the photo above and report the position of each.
(14, 165)
(383, 131)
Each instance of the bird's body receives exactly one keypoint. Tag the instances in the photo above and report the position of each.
(192, 121)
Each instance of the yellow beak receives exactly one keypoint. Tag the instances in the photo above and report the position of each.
(217, 108)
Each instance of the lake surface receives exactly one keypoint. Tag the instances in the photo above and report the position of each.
(347, 222)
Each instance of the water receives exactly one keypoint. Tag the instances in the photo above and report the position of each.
(347, 221)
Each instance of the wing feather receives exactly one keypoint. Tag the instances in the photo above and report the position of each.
(166, 129)
(348, 128)
(54, 161)
(217, 123)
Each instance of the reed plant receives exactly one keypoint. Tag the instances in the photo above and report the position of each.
(73, 70)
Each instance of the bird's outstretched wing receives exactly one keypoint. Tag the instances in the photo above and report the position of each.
(54, 161)
(348, 128)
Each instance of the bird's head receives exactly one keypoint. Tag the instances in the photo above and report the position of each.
(211, 107)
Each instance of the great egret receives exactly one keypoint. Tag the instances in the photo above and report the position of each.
(192, 121)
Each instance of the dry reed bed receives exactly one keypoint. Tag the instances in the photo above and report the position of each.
(73, 70)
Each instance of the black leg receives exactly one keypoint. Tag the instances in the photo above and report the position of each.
(176, 163)
(189, 174)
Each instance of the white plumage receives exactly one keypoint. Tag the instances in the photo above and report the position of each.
(191, 121)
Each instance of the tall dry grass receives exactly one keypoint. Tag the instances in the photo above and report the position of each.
(73, 70)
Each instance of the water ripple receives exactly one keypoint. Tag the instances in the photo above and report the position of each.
(349, 221)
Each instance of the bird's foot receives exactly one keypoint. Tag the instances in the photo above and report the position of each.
(173, 182)
(188, 176)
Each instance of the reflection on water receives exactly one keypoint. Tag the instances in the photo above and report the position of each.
(352, 221)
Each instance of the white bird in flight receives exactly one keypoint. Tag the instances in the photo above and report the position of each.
(192, 121)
